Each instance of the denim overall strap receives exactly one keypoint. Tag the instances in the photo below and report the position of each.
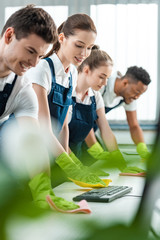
(59, 99)
(68, 100)
(107, 109)
(5, 94)
(82, 121)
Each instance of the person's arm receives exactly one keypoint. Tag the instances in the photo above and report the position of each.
(137, 134)
(64, 134)
(43, 113)
(106, 132)
(91, 138)
(135, 130)
(62, 158)
(31, 146)
(32, 151)
(109, 139)
(45, 120)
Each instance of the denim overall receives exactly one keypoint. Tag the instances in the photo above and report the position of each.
(83, 118)
(107, 109)
(59, 99)
(4, 96)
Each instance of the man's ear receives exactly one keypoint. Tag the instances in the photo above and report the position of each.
(61, 37)
(125, 82)
(8, 35)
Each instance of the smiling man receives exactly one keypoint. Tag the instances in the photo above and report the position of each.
(124, 91)
(24, 39)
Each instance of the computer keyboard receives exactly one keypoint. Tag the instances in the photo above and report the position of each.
(107, 194)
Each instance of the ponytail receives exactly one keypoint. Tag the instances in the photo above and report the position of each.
(96, 59)
(75, 22)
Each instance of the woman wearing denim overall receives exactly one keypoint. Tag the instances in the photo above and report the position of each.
(88, 108)
(53, 80)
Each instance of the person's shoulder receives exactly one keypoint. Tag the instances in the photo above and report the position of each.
(22, 81)
(54, 57)
(73, 69)
(26, 103)
(109, 88)
(114, 74)
(74, 73)
(97, 94)
(131, 106)
(38, 73)
(27, 92)
(41, 66)
(98, 99)
(42, 63)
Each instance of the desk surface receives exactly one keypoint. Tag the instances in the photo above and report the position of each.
(115, 209)
(59, 226)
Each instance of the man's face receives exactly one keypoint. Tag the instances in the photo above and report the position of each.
(133, 91)
(21, 55)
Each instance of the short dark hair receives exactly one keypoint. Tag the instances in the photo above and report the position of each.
(138, 74)
(32, 20)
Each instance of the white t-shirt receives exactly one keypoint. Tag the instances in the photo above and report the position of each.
(22, 101)
(111, 99)
(41, 74)
(87, 100)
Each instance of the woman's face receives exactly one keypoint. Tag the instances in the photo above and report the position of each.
(97, 78)
(76, 48)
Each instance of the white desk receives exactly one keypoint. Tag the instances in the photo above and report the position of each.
(59, 226)
(122, 209)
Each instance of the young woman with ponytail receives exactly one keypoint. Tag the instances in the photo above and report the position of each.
(88, 109)
(53, 80)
